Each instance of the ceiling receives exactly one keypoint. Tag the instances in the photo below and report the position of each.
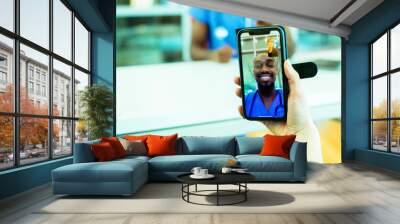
(327, 16)
(98, 15)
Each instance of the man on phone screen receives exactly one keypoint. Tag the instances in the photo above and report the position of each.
(267, 100)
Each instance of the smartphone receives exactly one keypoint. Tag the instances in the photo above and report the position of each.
(262, 52)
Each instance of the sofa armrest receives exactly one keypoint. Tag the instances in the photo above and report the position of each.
(83, 152)
(298, 155)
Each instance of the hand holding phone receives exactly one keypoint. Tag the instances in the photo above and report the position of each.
(262, 52)
(297, 111)
(299, 121)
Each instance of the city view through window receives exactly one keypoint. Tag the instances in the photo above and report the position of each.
(40, 82)
(385, 97)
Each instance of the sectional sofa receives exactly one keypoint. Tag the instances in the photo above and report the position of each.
(125, 176)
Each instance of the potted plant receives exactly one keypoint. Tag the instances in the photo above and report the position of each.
(96, 102)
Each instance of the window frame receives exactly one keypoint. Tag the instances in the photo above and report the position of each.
(16, 114)
(388, 74)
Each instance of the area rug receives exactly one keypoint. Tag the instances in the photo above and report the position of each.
(167, 198)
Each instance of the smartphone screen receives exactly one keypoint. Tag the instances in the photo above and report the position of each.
(262, 54)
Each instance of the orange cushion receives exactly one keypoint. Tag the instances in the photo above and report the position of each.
(161, 145)
(136, 137)
(116, 145)
(103, 152)
(277, 145)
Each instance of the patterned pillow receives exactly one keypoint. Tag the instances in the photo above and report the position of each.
(137, 148)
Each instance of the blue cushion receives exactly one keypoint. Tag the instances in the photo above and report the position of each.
(257, 163)
(133, 158)
(111, 171)
(185, 163)
(83, 153)
(118, 177)
(247, 145)
(197, 145)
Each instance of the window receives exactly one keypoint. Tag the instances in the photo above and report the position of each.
(62, 29)
(37, 75)
(6, 142)
(34, 21)
(3, 78)
(62, 74)
(45, 131)
(6, 73)
(33, 149)
(44, 91)
(395, 47)
(3, 72)
(385, 91)
(37, 89)
(3, 61)
(62, 137)
(81, 82)
(30, 72)
(30, 87)
(81, 45)
(7, 14)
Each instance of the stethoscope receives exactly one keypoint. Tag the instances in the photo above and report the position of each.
(276, 109)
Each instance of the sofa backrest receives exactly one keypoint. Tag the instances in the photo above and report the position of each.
(248, 145)
(83, 153)
(192, 145)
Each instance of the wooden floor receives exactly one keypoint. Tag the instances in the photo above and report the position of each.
(377, 188)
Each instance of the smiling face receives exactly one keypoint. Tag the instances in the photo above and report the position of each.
(264, 71)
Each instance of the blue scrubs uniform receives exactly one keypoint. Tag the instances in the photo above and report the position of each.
(222, 27)
(255, 106)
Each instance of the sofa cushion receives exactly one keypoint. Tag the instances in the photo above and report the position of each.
(116, 145)
(83, 152)
(197, 145)
(112, 171)
(257, 163)
(248, 145)
(136, 137)
(136, 147)
(185, 163)
(161, 145)
(103, 152)
(133, 158)
(277, 145)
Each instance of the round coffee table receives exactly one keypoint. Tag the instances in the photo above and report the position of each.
(238, 179)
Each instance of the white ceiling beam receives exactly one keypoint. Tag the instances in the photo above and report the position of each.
(272, 15)
(347, 12)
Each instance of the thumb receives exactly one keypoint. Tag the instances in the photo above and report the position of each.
(292, 76)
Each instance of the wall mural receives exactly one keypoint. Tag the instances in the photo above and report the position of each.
(176, 66)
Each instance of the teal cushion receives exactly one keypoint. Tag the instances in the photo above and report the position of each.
(111, 171)
(247, 145)
(185, 163)
(133, 158)
(197, 145)
(257, 163)
(83, 152)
